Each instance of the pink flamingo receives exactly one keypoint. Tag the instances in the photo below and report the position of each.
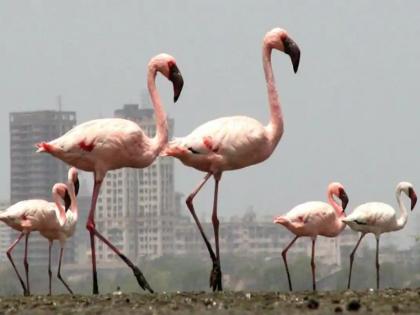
(378, 218)
(231, 143)
(36, 215)
(315, 218)
(61, 232)
(107, 144)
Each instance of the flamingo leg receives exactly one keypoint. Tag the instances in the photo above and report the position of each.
(352, 258)
(216, 274)
(49, 266)
(59, 271)
(377, 262)
(90, 225)
(9, 255)
(284, 255)
(190, 206)
(313, 265)
(26, 264)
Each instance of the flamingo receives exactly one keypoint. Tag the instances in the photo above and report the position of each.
(35, 215)
(379, 218)
(107, 144)
(231, 143)
(315, 218)
(56, 231)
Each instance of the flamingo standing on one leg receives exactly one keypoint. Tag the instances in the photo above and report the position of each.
(315, 218)
(378, 218)
(231, 143)
(107, 144)
(34, 215)
(56, 231)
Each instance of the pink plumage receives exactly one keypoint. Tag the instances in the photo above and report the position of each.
(102, 145)
(232, 143)
(315, 218)
(379, 218)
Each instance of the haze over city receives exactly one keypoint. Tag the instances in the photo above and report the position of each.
(351, 112)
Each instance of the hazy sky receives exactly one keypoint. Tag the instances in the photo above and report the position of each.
(351, 113)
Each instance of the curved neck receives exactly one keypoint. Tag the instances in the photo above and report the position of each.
(60, 211)
(338, 208)
(402, 220)
(161, 137)
(73, 198)
(275, 126)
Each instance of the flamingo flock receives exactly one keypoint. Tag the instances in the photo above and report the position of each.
(224, 144)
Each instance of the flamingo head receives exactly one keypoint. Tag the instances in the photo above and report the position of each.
(408, 189)
(73, 179)
(166, 64)
(337, 189)
(281, 220)
(63, 192)
(278, 39)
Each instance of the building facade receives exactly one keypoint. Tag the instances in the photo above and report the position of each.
(32, 175)
(135, 208)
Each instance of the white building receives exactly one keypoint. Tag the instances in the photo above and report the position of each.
(135, 209)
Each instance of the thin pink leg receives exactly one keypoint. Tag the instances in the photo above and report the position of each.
(90, 225)
(284, 255)
(216, 275)
(190, 206)
(377, 263)
(352, 258)
(9, 255)
(26, 264)
(49, 266)
(59, 271)
(313, 265)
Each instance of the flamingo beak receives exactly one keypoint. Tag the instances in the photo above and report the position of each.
(292, 49)
(176, 78)
(76, 185)
(344, 198)
(413, 197)
(67, 201)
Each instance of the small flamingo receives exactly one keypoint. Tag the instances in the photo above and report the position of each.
(61, 232)
(231, 143)
(378, 218)
(34, 215)
(315, 218)
(107, 144)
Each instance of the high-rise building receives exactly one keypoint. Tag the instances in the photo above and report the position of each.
(136, 206)
(32, 175)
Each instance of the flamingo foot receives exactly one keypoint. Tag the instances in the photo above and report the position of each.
(216, 277)
(26, 293)
(141, 279)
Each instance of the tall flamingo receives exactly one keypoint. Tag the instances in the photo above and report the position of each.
(379, 218)
(35, 215)
(231, 143)
(107, 144)
(315, 218)
(55, 231)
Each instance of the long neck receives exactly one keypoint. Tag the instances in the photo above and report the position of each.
(61, 212)
(73, 199)
(275, 126)
(402, 220)
(161, 137)
(338, 208)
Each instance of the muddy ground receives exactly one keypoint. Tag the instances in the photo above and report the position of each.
(232, 303)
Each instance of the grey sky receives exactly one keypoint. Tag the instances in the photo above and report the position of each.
(351, 112)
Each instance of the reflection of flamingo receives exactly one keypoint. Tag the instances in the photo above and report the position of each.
(378, 218)
(231, 143)
(35, 215)
(315, 218)
(54, 231)
(107, 144)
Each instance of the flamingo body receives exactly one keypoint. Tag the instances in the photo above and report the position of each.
(315, 218)
(379, 218)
